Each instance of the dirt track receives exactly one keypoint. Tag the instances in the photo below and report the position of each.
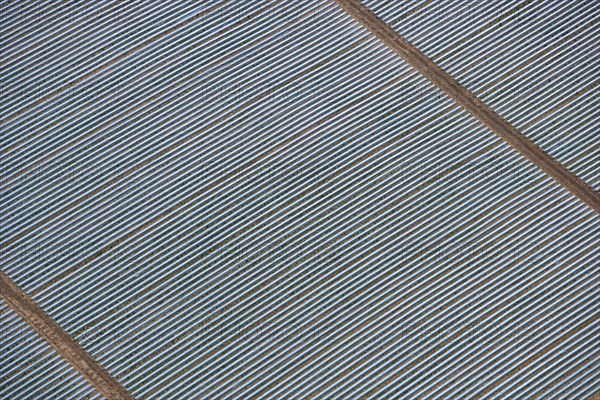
(471, 103)
(72, 351)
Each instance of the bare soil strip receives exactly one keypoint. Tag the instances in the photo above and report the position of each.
(64, 344)
(471, 103)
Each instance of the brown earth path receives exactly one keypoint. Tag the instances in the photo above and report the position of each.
(471, 103)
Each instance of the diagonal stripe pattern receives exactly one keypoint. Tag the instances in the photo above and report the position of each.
(262, 200)
(471, 103)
